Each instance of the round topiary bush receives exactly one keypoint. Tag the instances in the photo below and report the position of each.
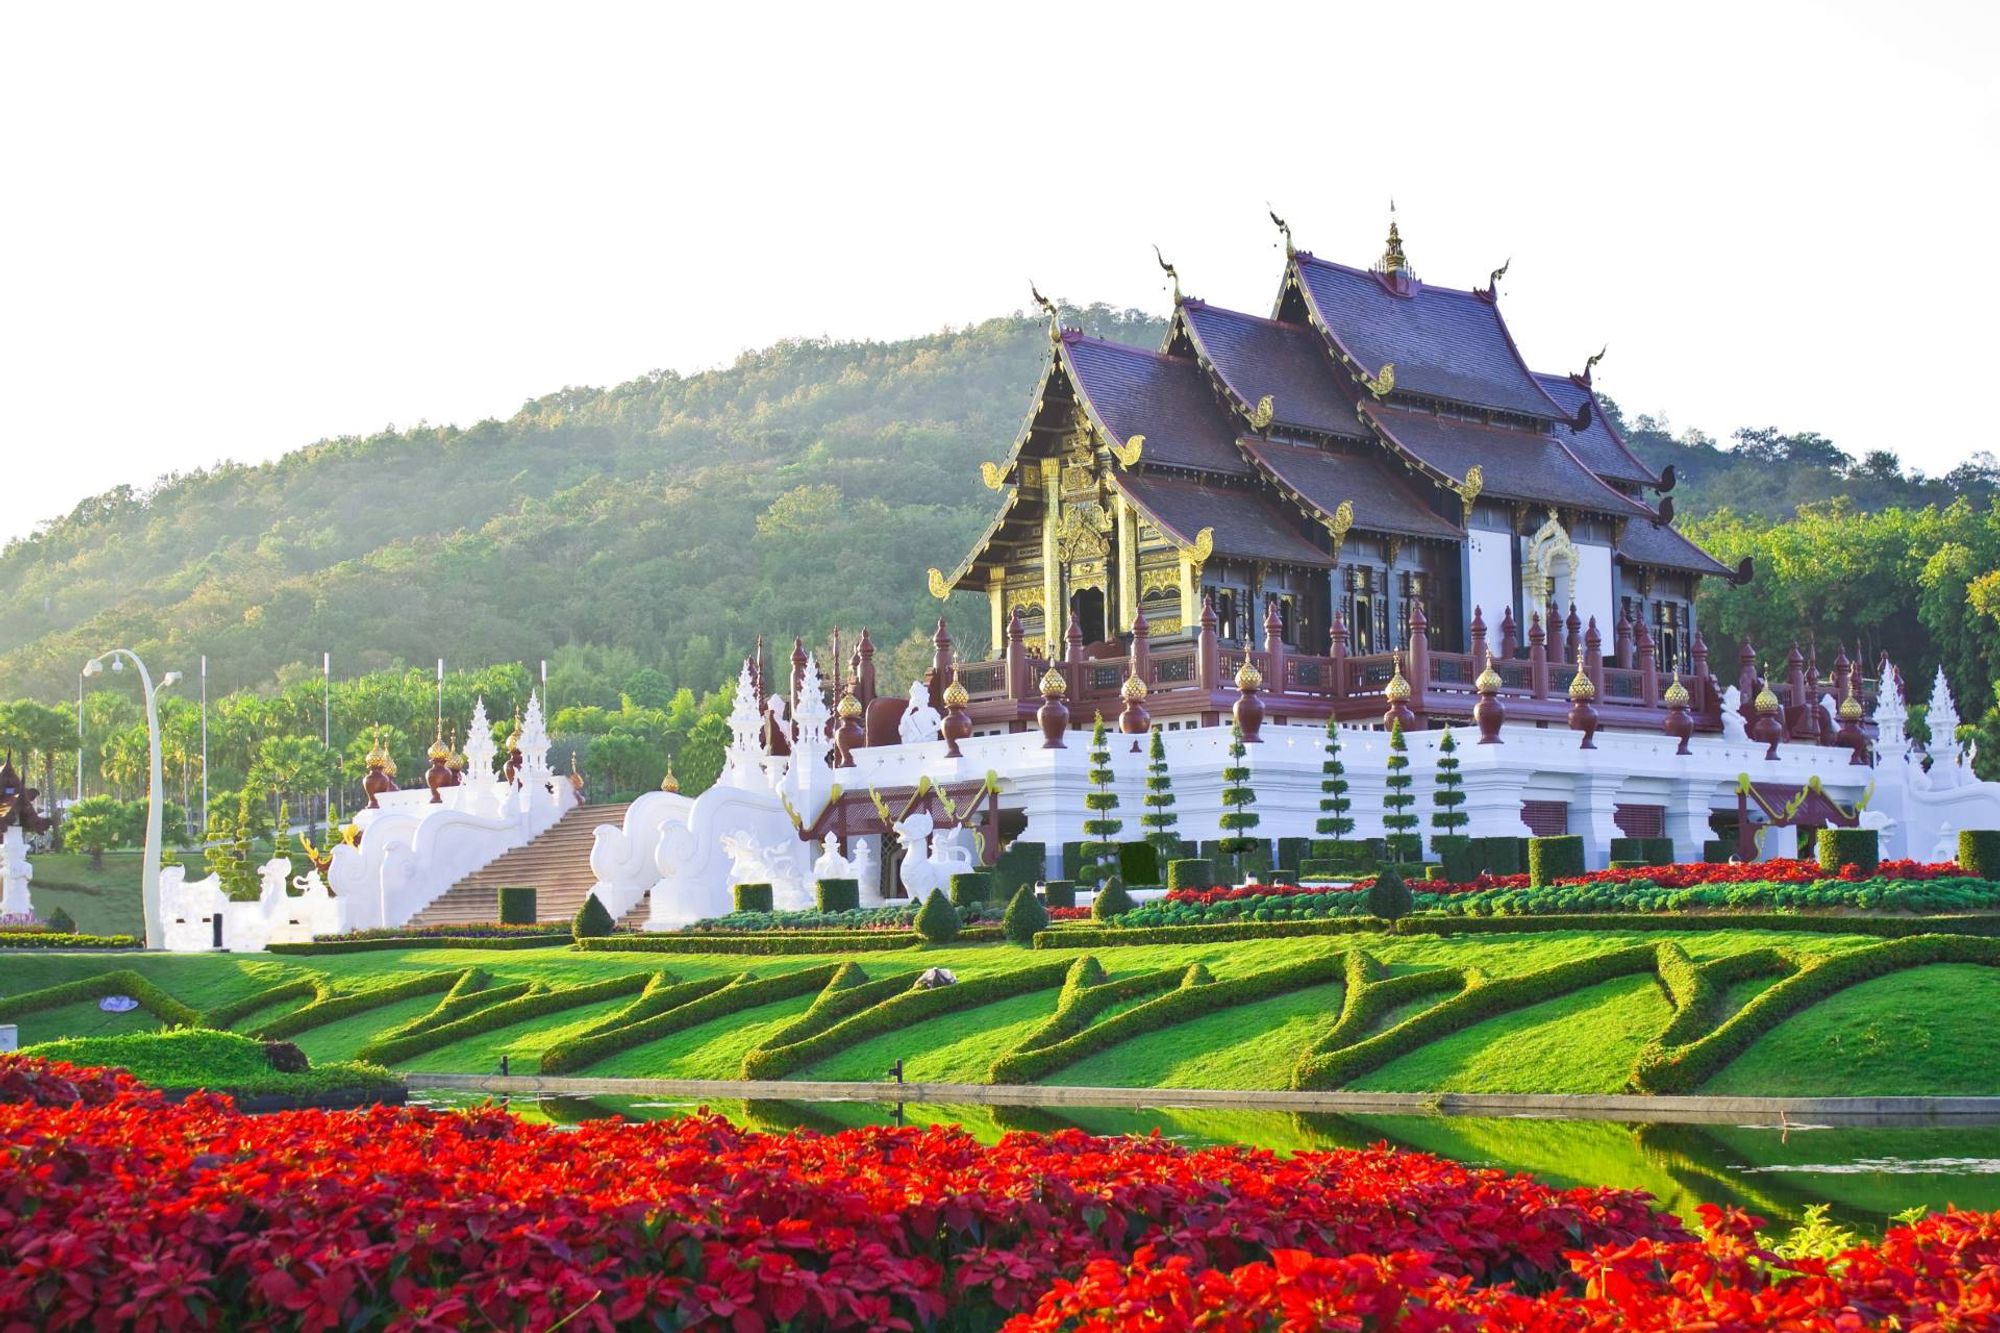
(1389, 897)
(517, 906)
(1111, 900)
(592, 921)
(937, 920)
(285, 1058)
(1025, 916)
(1191, 873)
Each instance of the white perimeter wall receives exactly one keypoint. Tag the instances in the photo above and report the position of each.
(1593, 591)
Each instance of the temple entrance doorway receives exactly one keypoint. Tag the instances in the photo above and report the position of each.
(1089, 603)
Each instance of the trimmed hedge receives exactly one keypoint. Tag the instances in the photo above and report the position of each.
(1456, 863)
(501, 943)
(1483, 998)
(1643, 851)
(1550, 859)
(1191, 873)
(1979, 852)
(1025, 917)
(469, 996)
(847, 993)
(1059, 893)
(1138, 863)
(1857, 847)
(1086, 993)
(1372, 995)
(517, 906)
(1085, 937)
(1196, 996)
(743, 993)
(1661, 1068)
(775, 943)
(750, 897)
(122, 982)
(1113, 900)
(57, 939)
(1294, 851)
(971, 888)
(1500, 855)
(334, 1007)
(937, 921)
(837, 895)
(1022, 863)
(910, 1007)
(535, 1004)
(1717, 851)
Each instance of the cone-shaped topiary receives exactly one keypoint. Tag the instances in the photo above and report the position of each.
(1388, 897)
(1111, 901)
(1159, 819)
(1237, 798)
(1446, 796)
(1025, 916)
(592, 921)
(1102, 827)
(1397, 819)
(1334, 821)
(61, 922)
(937, 920)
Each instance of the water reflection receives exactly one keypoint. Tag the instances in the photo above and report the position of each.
(1866, 1175)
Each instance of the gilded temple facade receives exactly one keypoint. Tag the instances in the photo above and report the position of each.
(1375, 449)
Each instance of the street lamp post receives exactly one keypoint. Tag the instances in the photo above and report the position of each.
(149, 879)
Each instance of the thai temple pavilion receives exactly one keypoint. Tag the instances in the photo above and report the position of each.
(1376, 446)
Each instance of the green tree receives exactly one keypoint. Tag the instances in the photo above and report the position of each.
(700, 760)
(1159, 818)
(292, 768)
(1389, 897)
(1334, 821)
(937, 920)
(1238, 796)
(1446, 798)
(1025, 916)
(41, 732)
(1102, 828)
(96, 824)
(1403, 842)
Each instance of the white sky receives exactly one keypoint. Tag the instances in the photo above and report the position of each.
(226, 231)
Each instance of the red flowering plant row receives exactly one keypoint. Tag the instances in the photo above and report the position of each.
(1685, 875)
(119, 1208)
(1941, 1274)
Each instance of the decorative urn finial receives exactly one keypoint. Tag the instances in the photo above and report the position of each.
(1393, 262)
(1582, 712)
(439, 776)
(1397, 695)
(381, 777)
(1248, 709)
(1489, 714)
(849, 735)
(1678, 723)
(1767, 727)
(957, 722)
(670, 784)
(1850, 734)
(1133, 720)
(1053, 715)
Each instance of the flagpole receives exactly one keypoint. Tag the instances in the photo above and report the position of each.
(326, 716)
(204, 747)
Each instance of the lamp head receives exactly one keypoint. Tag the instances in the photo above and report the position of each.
(171, 679)
(117, 664)
(94, 666)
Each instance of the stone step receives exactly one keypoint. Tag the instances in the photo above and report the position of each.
(556, 865)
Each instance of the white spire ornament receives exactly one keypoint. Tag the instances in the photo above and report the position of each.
(1942, 719)
(1891, 740)
(479, 747)
(534, 740)
(746, 722)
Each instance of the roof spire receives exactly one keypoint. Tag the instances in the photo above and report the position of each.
(1049, 309)
(1171, 272)
(1591, 364)
(1393, 262)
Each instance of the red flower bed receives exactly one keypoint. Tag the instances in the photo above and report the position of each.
(120, 1209)
(1942, 1274)
(1686, 875)
(1069, 914)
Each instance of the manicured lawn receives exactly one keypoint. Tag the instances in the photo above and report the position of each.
(104, 902)
(1249, 1046)
(1921, 1032)
(713, 1050)
(952, 1048)
(1932, 1028)
(1584, 1042)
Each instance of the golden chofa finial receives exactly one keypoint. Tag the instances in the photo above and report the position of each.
(1248, 677)
(1283, 227)
(1049, 309)
(1398, 689)
(955, 695)
(1676, 695)
(1489, 681)
(1171, 272)
(1053, 684)
(1580, 685)
(1133, 690)
(670, 783)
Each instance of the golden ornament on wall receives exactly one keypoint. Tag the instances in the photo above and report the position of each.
(939, 588)
(993, 475)
(1128, 453)
(1260, 416)
(1383, 383)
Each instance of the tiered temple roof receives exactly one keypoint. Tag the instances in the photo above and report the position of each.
(1368, 402)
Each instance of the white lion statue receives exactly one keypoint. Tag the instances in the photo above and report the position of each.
(920, 721)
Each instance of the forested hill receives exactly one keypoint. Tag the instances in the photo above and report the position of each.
(807, 485)
(669, 520)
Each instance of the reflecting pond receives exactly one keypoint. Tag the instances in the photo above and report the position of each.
(1865, 1174)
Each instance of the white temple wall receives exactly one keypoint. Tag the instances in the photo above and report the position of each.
(1490, 562)
(1594, 593)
